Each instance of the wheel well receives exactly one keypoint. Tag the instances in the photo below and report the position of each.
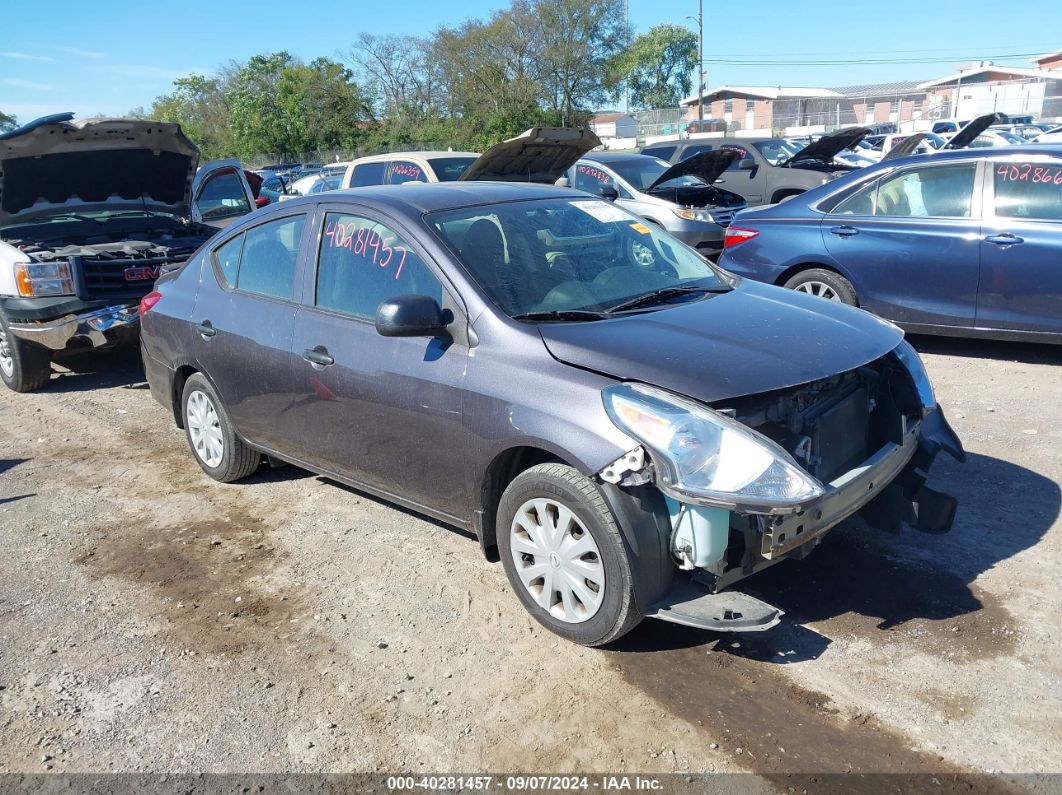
(180, 377)
(500, 473)
(783, 193)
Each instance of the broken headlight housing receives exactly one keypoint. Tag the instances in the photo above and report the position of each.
(910, 359)
(706, 458)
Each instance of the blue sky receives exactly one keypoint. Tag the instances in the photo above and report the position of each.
(108, 57)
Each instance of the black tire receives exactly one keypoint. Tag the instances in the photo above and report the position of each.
(30, 365)
(618, 613)
(841, 286)
(238, 459)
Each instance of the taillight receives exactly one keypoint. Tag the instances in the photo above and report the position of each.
(149, 301)
(735, 235)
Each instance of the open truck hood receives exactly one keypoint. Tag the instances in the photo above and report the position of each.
(542, 154)
(58, 164)
(753, 339)
(827, 147)
(709, 166)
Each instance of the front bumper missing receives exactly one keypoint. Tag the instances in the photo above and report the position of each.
(844, 496)
(95, 329)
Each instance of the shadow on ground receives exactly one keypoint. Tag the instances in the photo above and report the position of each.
(80, 372)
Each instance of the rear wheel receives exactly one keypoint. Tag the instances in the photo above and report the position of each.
(565, 557)
(215, 445)
(24, 367)
(824, 284)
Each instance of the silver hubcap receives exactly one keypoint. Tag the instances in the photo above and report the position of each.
(204, 428)
(557, 560)
(7, 361)
(821, 289)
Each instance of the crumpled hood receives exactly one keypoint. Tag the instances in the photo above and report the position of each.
(57, 164)
(753, 339)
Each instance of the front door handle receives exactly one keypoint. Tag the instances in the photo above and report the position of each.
(206, 330)
(1005, 239)
(844, 231)
(318, 357)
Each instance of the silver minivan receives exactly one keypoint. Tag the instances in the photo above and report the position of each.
(680, 198)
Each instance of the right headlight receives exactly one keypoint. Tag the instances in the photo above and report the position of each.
(693, 214)
(707, 458)
(38, 279)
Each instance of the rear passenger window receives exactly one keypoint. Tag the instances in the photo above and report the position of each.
(1028, 190)
(368, 174)
(928, 192)
(267, 264)
(404, 171)
(362, 263)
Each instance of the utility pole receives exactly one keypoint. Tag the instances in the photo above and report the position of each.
(627, 36)
(700, 65)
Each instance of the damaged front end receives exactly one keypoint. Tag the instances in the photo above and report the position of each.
(758, 479)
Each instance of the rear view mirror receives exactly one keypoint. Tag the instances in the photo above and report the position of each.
(609, 193)
(411, 316)
(746, 164)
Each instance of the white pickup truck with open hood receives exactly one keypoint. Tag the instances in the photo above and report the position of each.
(91, 212)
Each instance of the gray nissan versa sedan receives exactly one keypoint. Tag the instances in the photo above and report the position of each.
(631, 435)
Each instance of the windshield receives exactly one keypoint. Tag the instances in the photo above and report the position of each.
(568, 255)
(642, 172)
(450, 169)
(777, 150)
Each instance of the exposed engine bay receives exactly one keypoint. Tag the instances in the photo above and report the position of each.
(706, 196)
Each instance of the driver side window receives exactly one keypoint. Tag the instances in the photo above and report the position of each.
(592, 179)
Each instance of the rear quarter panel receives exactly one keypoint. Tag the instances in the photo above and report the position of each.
(785, 244)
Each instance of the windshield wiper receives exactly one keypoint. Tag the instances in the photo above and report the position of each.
(57, 216)
(562, 314)
(661, 295)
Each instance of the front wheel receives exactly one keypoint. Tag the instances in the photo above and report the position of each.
(824, 284)
(565, 557)
(24, 367)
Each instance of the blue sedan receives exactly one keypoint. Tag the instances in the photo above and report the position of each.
(963, 243)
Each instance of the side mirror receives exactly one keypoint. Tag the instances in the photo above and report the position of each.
(609, 193)
(411, 316)
(746, 164)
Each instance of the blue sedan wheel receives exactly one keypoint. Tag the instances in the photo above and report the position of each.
(824, 284)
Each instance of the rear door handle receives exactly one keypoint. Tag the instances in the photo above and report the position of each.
(844, 231)
(206, 331)
(1005, 239)
(318, 357)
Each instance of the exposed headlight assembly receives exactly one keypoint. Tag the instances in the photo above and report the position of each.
(910, 359)
(691, 214)
(37, 279)
(705, 458)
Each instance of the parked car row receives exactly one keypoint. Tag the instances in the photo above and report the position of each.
(630, 429)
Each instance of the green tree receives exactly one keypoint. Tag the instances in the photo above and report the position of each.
(658, 65)
(199, 105)
(7, 122)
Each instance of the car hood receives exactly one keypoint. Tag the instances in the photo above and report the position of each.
(754, 339)
(707, 165)
(966, 136)
(542, 154)
(58, 164)
(828, 146)
(905, 147)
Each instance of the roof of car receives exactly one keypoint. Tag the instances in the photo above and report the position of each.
(426, 197)
(978, 152)
(611, 157)
(423, 155)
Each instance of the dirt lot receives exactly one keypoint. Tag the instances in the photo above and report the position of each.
(153, 620)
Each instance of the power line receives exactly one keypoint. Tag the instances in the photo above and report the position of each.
(849, 61)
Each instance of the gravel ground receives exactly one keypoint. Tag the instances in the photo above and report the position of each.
(152, 620)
